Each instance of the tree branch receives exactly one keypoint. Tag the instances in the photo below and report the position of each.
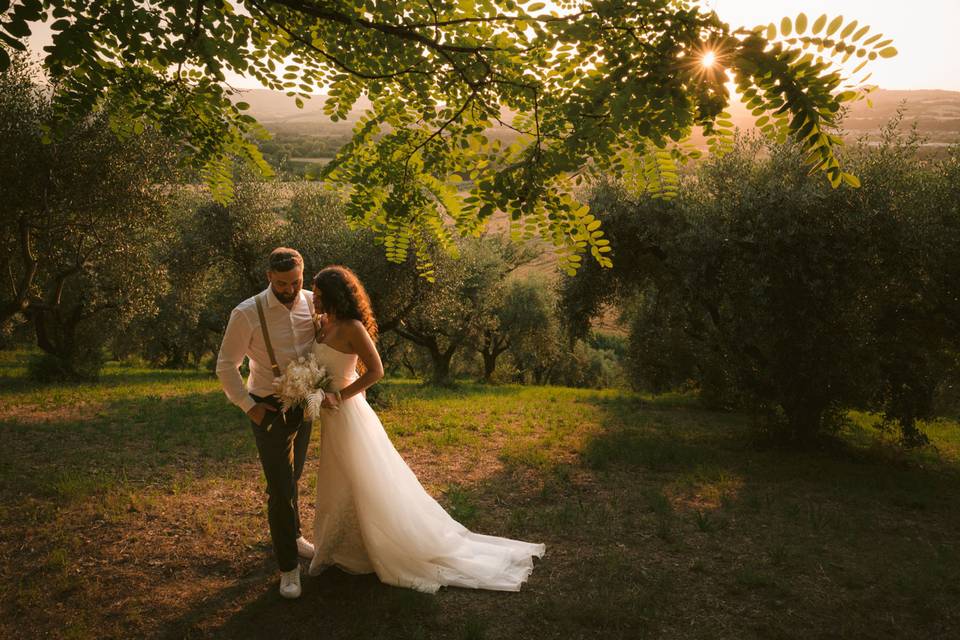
(330, 57)
(439, 131)
(494, 19)
(402, 31)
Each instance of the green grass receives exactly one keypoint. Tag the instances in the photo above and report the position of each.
(134, 508)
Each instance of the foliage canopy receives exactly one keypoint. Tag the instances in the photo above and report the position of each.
(590, 86)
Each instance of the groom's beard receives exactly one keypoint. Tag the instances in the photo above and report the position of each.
(285, 298)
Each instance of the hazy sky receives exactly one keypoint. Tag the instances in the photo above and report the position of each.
(925, 32)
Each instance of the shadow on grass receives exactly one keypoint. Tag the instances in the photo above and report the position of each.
(333, 605)
(599, 592)
(112, 377)
(127, 441)
(654, 435)
(874, 524)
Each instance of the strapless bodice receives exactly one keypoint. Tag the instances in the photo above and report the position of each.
(342, 367)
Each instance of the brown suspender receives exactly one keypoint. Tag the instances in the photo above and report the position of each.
(266, 337)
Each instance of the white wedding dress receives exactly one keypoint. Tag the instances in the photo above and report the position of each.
(373, 515)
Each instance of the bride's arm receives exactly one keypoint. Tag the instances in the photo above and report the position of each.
(366, 351)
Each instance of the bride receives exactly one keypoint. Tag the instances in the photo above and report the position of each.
(372, 513)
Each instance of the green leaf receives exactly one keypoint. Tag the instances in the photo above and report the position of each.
(242, 106)
(851, 180)
(18, 28)
(847, 30)
(834, 25)
(801, 23)
(818, 24)
(12, 42)
(889, 52)
(785, 26)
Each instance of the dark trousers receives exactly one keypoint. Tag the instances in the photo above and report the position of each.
(283, 450)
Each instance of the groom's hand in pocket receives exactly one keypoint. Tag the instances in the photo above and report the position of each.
(260, 413)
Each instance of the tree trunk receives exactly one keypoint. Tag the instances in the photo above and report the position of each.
(542, 374)
(21, 290)
(489, 365)
(408, 366)
(805, 420)
(53, 338)
(439, 359)
(41, 330)
(441, 366)
(493, 345)
(76, 356)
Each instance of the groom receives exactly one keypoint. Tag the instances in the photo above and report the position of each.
(273, 328)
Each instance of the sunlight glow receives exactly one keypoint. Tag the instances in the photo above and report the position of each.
(708, 59)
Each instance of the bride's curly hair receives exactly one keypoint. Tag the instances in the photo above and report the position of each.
(342, 293)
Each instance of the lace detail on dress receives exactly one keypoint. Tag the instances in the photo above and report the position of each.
(337, 537)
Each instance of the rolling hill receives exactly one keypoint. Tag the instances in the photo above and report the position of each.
(936, 113)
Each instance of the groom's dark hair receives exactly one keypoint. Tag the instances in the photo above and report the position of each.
(284, 259)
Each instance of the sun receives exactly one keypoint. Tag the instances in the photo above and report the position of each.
(708, 59)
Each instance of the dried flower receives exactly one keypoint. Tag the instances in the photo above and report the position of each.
(303, 383)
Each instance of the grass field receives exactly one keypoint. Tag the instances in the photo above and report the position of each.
(134, 508)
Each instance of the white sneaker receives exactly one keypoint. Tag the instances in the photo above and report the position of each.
(304, 548)
(290, 583)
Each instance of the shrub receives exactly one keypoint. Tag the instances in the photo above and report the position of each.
(769, 291)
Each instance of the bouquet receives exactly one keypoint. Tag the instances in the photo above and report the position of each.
(303, 383)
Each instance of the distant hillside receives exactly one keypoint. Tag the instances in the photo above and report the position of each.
(936, 110)
(276, 110)
(937, 113)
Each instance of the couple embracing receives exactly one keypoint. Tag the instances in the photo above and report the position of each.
(372, 514)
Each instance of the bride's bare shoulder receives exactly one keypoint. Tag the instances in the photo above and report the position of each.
(354, 326)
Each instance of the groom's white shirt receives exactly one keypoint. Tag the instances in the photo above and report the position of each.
(291, 334)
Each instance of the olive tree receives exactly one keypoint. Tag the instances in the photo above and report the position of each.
(458, 308)
(81, 218)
